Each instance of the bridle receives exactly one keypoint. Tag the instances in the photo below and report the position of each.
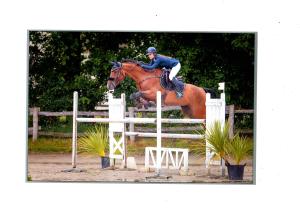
(118, 69)
(113, 79)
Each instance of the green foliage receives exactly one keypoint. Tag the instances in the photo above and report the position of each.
(238, 149)
(61, 62)
(94, 141)
(233, 149)
(61, 124)
(218, 136)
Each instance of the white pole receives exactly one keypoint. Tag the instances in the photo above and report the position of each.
(222, 118)
(74, 135)
(158, 125)
(124, 129)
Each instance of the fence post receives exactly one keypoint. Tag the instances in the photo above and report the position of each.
(131, 124)
(35, 130)
(231, 121)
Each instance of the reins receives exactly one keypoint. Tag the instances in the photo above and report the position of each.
(146, 78)
(139, 83)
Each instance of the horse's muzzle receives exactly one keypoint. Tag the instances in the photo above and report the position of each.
(111, 85)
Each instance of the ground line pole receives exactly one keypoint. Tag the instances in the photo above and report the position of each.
(158, 129)
(74, 134)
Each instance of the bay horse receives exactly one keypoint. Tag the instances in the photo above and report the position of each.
(148, 83)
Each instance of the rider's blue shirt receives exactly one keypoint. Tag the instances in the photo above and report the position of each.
(161, 62)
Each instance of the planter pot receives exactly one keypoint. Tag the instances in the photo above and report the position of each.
(235, 172)
(105, 162)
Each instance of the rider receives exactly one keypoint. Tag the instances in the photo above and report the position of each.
(160, 61)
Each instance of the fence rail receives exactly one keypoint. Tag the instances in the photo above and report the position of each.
(35, 131)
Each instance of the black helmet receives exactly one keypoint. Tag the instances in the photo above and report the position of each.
(151, 50)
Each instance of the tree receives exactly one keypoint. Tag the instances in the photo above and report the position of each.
(62, 62)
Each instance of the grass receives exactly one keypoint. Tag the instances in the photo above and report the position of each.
(60, 145)
(50, 145)
(57, 145)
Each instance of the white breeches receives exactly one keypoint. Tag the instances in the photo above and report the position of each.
(174, 71)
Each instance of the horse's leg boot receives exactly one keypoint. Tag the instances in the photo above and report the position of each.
(135, 95)
(144, 102)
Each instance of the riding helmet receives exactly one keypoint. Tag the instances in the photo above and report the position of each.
(151, 50)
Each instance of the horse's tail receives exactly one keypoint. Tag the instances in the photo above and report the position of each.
(212, 92)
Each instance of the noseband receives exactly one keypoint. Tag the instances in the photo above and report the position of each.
(118, 74)
(113, 79)
(118, 69)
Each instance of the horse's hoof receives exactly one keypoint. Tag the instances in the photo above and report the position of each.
(132, 96)
(146, 106)
(152, 104)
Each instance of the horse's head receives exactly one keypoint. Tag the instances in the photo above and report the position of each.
(117, 75)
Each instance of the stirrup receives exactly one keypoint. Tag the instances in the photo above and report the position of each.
(179, 94)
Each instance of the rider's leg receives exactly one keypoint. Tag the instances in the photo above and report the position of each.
(178, 87)
(174, 71)
(172, 75)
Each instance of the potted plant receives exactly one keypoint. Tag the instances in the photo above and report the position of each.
(236, 151)
(95, 142)
(232, 151)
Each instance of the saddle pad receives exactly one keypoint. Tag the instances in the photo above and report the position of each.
(165, 81)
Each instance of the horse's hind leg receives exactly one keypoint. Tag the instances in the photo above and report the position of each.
(196, 107)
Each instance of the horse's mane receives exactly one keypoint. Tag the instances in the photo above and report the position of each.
(134, 62)
(129, 61)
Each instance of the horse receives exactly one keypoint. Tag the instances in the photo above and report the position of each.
(148, 83)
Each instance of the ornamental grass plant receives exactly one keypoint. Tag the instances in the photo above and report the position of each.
(95, 141)
(238, 149)
(217, 137)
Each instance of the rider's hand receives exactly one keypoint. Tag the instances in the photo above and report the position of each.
(141, 63)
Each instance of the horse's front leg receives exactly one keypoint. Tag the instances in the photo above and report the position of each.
(150, 97)
(135, 96)
(140, 97)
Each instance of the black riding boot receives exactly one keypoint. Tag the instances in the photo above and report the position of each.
(178, 87)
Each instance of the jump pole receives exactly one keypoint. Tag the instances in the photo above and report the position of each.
(74, 134)
(158, 131)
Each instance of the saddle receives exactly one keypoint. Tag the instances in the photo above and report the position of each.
(165, 81)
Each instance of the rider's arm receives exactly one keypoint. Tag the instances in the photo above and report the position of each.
(151, 65)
